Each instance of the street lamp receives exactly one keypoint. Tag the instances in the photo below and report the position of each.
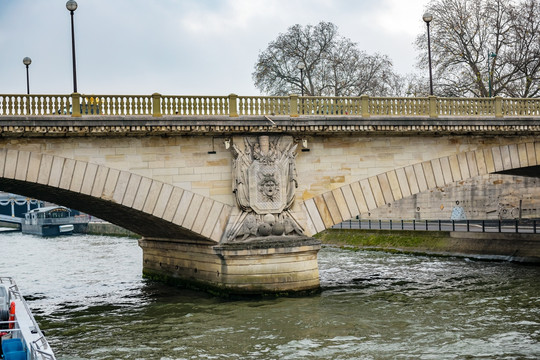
(427, 18)
(71, 5)
(490, 75)
(27, 61)
(301, 67)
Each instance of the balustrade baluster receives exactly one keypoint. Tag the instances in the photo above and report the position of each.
(250, 106)
(186, 103)
(132, 105)
(123, 105)
(213, 104)
(164, 105)
(167, 107)
(37, 105)
(199, 106)
(13, 105)
(138, 105)
(117, 102)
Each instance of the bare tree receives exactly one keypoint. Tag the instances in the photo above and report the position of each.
(484, 47)
(524, 50)
(333, 65)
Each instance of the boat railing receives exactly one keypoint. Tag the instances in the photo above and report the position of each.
(36, 349)
(79, 219)
(38, 345)
(4, 327)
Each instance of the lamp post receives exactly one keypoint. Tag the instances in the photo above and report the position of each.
(27, 61)
(427, 18)
(71, 5)
(490, 75)
(301, 67)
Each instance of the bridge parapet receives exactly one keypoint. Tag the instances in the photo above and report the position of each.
(157, 105)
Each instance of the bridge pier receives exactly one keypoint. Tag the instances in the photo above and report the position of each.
(273, 266)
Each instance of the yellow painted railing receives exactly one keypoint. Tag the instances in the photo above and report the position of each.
(157, 105)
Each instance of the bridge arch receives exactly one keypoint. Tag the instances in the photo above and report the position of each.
(145, 206)
(332, 207)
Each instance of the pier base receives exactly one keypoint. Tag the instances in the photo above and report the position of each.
(284, 265)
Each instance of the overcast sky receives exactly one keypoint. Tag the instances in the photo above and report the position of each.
(181, 47)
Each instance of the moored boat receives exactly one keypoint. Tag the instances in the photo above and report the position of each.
(52, 221)
(21, 337)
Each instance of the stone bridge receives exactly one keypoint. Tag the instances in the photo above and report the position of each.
(183, 171)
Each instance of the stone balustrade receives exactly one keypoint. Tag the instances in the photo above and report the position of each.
(157, 105)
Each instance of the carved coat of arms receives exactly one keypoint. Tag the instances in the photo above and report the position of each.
(264, 183)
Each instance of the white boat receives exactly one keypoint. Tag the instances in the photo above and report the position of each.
(21, 338)
(52, 221)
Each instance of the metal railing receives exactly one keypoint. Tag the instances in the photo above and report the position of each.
(157, 105)
(493, 226)
(40, 344)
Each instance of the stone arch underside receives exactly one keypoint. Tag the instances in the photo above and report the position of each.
(147, 207)
(330, 208)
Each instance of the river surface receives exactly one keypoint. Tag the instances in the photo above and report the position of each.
(88, 295)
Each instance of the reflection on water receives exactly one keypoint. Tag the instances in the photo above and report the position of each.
(89, 297)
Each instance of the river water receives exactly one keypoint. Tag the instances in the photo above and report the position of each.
(88, 295)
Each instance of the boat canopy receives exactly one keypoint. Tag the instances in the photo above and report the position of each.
(50, 212)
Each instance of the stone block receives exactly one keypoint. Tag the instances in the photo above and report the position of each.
(131, 190)
(56, 171)
(497, 159)
(446, 170)
(332, 207)
(182, 208)
(505, 156)
(403, 182)
(394, 185)
(142, 193)
(420, 177)
(522, 155)
(531, 154)
(490, 163)
(121, 186)
(79, 174)
(11, 164)
(429, 175)
(3, 153)
(67, 174)
(463, 166)
(212, 219)
(221, 224)
(172, 203)
(314, 215)
(152, 198)
(350, 200)
(455, 168)
(89, 178)
(323, 210)
(163, 198)
(368, 194)
(45, 169)
(514, 156)
(202, 215)
(110, 184)
(480, 162)
(376, 190)
(411, 179)
(33, 167)
(22, 165)
(341, 204)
